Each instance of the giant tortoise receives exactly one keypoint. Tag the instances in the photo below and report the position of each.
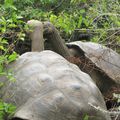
(48, 87)
(104, 58)
(105, 70)
(100, 62)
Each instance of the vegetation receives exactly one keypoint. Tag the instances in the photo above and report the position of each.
(66, 15)
(6, 110)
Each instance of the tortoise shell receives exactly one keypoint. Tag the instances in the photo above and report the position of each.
(48, 87)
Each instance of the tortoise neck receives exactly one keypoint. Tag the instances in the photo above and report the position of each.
(36, 35)
(37, 39)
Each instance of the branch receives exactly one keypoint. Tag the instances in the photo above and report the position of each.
(58, 5)
(104, 111)
(109, 14)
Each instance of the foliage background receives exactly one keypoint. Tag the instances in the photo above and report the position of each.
(66, 15)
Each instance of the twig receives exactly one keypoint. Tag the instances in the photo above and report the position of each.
(58, 5)
(109, 14)
(110, 29)
(104, 111)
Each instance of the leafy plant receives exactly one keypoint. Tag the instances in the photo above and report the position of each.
(11, 31)
(6, 110)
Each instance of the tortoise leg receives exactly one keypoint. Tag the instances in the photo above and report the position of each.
(36, 35)
(52, 34)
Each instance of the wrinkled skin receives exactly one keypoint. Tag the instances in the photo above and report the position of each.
(48, 87)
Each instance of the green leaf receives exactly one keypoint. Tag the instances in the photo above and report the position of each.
(19, 17)
(82, 11)
(1, 84)
(12, 57)
(80, 21)
(10, 2)
(85, 21)
(2, 48)
(12, 26)
(3, 41)
(1, 68)
(84, 1)
(53, 18)
(86, 117)
(3, 59)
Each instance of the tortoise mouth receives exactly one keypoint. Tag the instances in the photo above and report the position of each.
(16, 118)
